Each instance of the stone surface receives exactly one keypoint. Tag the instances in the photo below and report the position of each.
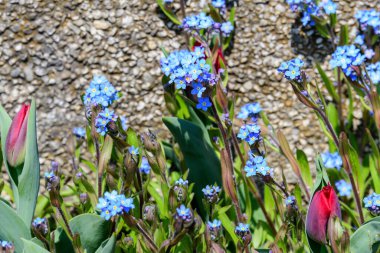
(51, 50)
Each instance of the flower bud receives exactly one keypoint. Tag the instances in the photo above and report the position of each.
(83, 197)
(16, 138)
(323, 206)
(130, 163)
(150, 142)
(149, 213)
(40, 227)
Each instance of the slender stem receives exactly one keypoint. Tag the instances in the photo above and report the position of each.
(327, 123)
(340, 109)
(100, 173)
(59, 208)
(228, 149)
(281, 188)
(252, 186)
(357, 198)
(147, 236)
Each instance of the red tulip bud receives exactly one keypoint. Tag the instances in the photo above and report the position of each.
(323, 207)
(15, 142)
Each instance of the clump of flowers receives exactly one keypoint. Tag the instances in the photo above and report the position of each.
(332, 160)
(211, 193)
(40, 224)
(374, 72)
(343, 188)
(311, 8)
(101, 92)
(181, 182)
(249, 133)
(250, 110)
(292, 69)
(104, 118)
(226, 28)
(214, 227)
(198, 22)
(290, 201)
(369, 19)
(79, 132)
(220, 4)
(372, 203)
(145, 167)
(257, 166)
(346, 57)
(183, 213)
(5, 245)
(133, 150)
(113, 204)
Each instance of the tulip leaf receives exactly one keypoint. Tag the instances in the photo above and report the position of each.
(305, 168)
(92, 229)
(108, 246)
(29, 180)
(12, 227)
(367, 238)
(194, 142)
(26, 183)
(31, 247)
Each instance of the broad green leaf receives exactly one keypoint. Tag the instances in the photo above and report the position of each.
(31, 247)
(92, 229)
(132, 138)
(168, 13)
(25, 185)
(305, 168)
(62, 242)
(12, 227)
(329, 85)
(108, 246)
(199, 155)
(332, 115)
(367, 238)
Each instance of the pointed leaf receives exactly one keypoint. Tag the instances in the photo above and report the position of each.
(367, 238)
(305, 168)
(108, 246)
(31, 247)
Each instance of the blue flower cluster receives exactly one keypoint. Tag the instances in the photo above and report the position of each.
(226, 28)
(113, 204)
(183, 212)
(332, 160)
(181, 182)
(292, 69)
(290, 201)
(79, 132)
(145, 167)
(372, 203)
(40, 224)
(310, 8)
(123, 122)
(103, 119)
(369, 19)
(101, 92)
(198, 22)
(344, 188)
(133, 150)
(214, 225)
(204, 103)
(4, 245)
(242, 229)
(251, 110)
(346, 57)
(220, 4)
(257, 166)
(211, 193)
(374, 72)
(249, 133)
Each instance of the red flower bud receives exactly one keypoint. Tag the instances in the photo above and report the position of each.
(15, 142)
(323, 206)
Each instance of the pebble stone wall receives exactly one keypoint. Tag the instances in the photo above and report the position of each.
(50, 50)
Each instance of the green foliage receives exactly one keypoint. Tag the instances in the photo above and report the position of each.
(367, 238)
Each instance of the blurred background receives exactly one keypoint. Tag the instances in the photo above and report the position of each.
(51, 49)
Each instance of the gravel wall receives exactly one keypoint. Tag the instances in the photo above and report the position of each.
(50, 50)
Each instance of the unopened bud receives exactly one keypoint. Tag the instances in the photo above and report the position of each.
(130, 163)
(40, 227)
(149, 213)
(150, 142)
(83, 197)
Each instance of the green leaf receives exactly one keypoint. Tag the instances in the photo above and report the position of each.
(25, 185)
(108, 246)
(332, 115)
(62, 243)
(31, 247)
(367, 238)
(322, 29)
(329, 85)
(12, 227)
(199, 155)
(168, 13)
(132, 138)
(92, 229)
(305, 168)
